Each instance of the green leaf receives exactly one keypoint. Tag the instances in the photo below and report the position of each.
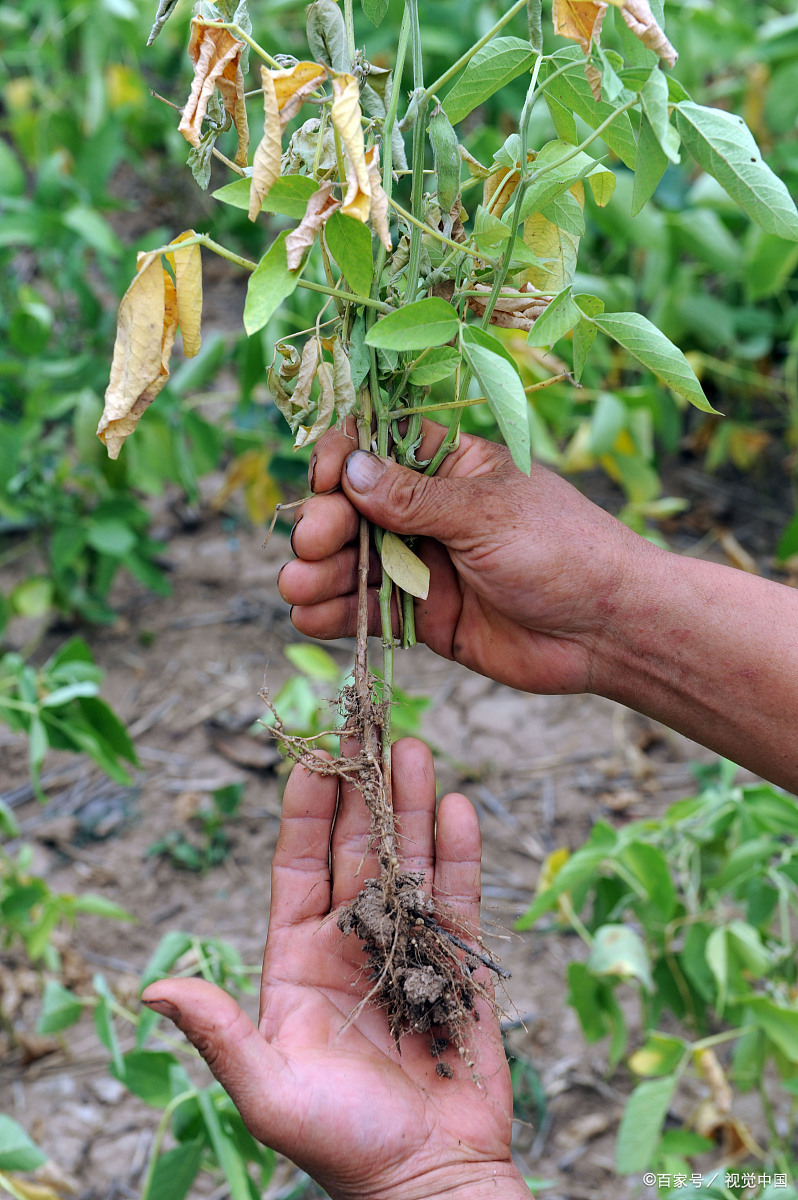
(769, 264)
(269, 284)
(155, 1076)
(429, 322)
(175, 1171)
(106, 724)
(788, 542)
(225, 1150)
(68, 692)
(579, 868)
(33, 597)
(619, 950)
(375, 10)
(649, 346)
(655, 101)
(722, 144)
(779, 1023)
(434, 366)
(502, 388)
(288, 195)
(403, 566)
(641, 1124)
(495, 65)
(313, 661)
(104, 1021)
(566, 213)
(60, 1008)
(660, 1055)
(649, 866)
(8, 822)
(556, 320)
(99, 906)
(585, 331)
(172, 946)
(17, 1151)
(651, 164)
(572, 92)
(349, 242)
(556, 178)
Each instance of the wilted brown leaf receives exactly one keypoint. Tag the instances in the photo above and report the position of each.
(579, 20)
(324, 411)
(321, 207)
(293, 86)
(639, 18)
(266, 163)
(250, 472)
(516, 308)
(216, 56)
(187, 265)
(146, 327)
(345, 398)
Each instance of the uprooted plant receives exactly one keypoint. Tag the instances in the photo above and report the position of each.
(415, 267)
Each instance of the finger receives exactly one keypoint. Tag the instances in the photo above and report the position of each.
(324, 526)
(301, 582)
(248, 1068)
(300, 868)
(352, 861)
(458, 852)
(338, 618)
(413, 782)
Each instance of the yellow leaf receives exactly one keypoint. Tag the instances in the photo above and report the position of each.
(320, 208)
(146, 327)
(498, 189)
(250, 472)
(346, 117)
(548, 241)
(216, 56)
(187, 265)
(553, 863)
(293, 85)
(639, 18)
(24, 1189)
(579, 20)
(266, 163)
(404, 567)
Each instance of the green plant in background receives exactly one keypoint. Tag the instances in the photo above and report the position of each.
(697, 912)
(211, 845)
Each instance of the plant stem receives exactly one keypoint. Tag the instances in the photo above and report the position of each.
(253, 45)
(160, 1132)
(349, 22)
(398, 413)
(553, 166)
(419, 145)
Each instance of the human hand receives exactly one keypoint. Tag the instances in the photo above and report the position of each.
(525, 572)
(363, 1120)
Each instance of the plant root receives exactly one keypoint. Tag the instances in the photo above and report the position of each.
(422, 973)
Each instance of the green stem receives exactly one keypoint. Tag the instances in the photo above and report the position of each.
(349, 22)
(398, 413)
(160, 1133)
(253, 45)
(419, 146)
(464, 59)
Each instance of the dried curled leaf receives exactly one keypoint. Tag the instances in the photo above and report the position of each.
(345, 398)
(379, 199)
(346, 117)
(293, 86)
(266, 163)
(216, 56)
(516, 308)
(579, 20)
(165, 9)
(146, 328)
(639, 18)
(187, 266)
(324, 409)
(321, 207)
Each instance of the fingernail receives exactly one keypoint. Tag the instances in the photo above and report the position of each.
(293, 531)
(364, 470)
(165, 1008)
(312, 472)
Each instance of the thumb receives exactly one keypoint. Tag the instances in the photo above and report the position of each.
(237, 1054)
(405, 501)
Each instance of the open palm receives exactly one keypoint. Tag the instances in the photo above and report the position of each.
(339, 1099)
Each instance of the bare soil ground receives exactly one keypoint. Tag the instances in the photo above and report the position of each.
(184, 673)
